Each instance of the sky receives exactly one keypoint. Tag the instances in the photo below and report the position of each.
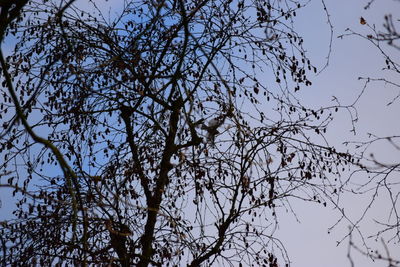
(307, 241)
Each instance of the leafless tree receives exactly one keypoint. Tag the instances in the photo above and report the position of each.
(159, 133)
(383, 177)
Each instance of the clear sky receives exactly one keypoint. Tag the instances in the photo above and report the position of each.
(308, 242)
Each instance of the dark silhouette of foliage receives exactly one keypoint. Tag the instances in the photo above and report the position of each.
(160, 133)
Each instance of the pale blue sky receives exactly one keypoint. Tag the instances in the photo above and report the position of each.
(308, 243)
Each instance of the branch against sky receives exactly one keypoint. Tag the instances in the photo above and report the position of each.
(178, 123)
(382, 173)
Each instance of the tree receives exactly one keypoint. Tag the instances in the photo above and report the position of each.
(382, 176)
(174, 126)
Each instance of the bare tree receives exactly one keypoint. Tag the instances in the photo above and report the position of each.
(382, 176)
(168, 133)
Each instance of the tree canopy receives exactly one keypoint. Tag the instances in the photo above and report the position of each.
(158, 132)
